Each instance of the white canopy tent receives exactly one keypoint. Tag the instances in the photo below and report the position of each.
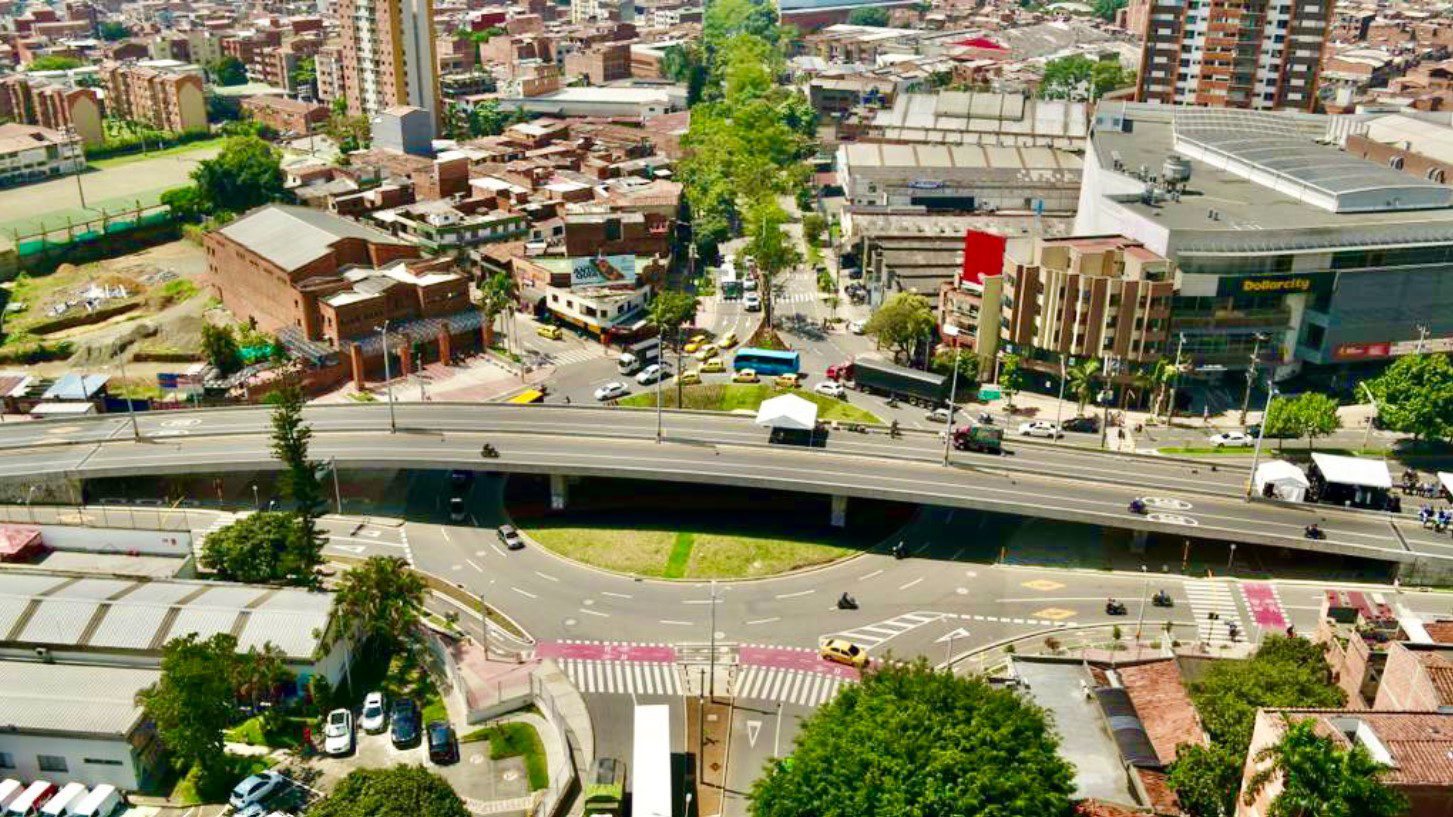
(1445, 479)
(1353, 471)
(1286, 480)
(788, 412)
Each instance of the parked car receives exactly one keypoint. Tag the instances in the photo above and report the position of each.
(752, 302)
(1232, 439)
(404, 723)
(727, 341)
(1040, 428)
(510, 537)
(745, 376)
(375, 717)
(858, 327)
(790, 380)
(1088, 425)
(613, 390)
(338, 733)
(691, 378)
(831, 388)
(652, 373)
(259, 787)
(694, 344)
(443, 745)
(32, 800)
(551, 332)
(716, 364)
(708, 352)
(102, 801)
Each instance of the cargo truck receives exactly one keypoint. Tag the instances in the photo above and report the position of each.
(987, 439)
(922, 388)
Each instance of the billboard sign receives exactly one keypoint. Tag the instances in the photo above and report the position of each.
(983, 256)
(603, 271)
(1272, 285)
(1381, 349)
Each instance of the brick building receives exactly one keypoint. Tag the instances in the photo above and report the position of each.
(283, 114)
(600, 64)
(165, 99)
(37, 102)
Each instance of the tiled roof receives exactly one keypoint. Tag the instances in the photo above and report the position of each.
(1163, 706)
(1440, 673)
(1420, 743)
(1440, 631)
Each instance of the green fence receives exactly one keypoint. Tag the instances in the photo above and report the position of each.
(61, 239)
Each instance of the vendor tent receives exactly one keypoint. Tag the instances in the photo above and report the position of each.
(1445, 479)
(1279, 479)
(1355, 471)
(788, 412)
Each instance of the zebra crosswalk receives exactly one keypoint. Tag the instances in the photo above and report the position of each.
(795, 298)
(623, 677)
(792, 686)
(873, 634)
(1208, 597)
(572, 355)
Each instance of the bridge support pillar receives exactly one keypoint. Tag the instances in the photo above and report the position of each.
(839, 511)
(559, 491)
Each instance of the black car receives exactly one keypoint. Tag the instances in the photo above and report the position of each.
(404, 722)
(511, 537)
(443, 746)
(460, 481)
(1088, 425)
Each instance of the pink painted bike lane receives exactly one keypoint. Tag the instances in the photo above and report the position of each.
(793, 658)
(606, 651)
(1265, 607)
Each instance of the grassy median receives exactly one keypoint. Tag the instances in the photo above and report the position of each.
(746, 396)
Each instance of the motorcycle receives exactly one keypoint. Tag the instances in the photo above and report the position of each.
(893, 430)
(1313, 532)
(892, 402)
(489, 452)
(846, 602)
(1162, 599)
(900, 551)
(1114, 608)
(1137, 506)
(985, 418)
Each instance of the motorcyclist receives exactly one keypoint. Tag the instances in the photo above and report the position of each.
(846, 602)
(1313, 531)
(488, 451)
(893, 429)
(1137, 506)
(900, 550)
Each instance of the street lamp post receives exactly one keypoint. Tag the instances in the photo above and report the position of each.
(337, 491)
(953, 393)
(660, 359)
(1251, 376)
(393, 425)
(712, 659)
(1176, 385)
(256, 500)
(130, 406)
(1144, 591)
(1059, 408)
(1231, 558)
(1260, 435)
(1376, 410)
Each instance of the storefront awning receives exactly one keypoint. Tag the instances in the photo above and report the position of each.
(1353, 471)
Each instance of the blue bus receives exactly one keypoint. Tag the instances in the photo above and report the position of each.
(767, 361)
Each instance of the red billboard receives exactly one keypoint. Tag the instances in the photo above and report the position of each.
(983, 256)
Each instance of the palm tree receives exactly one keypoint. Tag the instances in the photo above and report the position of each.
(380, 599)
(259, 671)
(1161, 375)
(1081, 377)
(496, 293)
(1321, 779)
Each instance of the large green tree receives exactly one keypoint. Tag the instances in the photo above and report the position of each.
(192, 702)
(219, 345)
(381, 598)
(300, 482)
(670, 311)
(1284, 673)
(908, 740)
(968, 363)
(399, 791)
(245, 174)
(496, 294)
(228, 71)
(1415, 396)
(1079, 77)
(1316, 415)
(255, 548)
(869, 16)
(1011, 378)
(773, 249)
(903, 323)
(1321, 779)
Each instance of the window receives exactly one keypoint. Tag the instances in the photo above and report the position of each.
(52, 763)
(7, 760)
(101, 761)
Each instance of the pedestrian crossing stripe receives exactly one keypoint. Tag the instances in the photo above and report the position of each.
(613, 643)
(870, 635)
(623, 677)
(791, 686)
(1036, 622)
(1208, 597)
(572, 356)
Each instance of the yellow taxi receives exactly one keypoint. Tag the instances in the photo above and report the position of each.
(842, 651)
(745, 376)
(707, 352)
(727, 341)
(551, 332)
(691, 378)
(694, 344)
(790, 380)
(713, 365)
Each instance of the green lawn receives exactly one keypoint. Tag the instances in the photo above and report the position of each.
(516, 739)
(239, 767)
(692, 554)
(735, 396)
(175, 150)
(253, 732)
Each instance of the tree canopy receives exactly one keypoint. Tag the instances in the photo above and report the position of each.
(400, 791)
(54, 62)
(245, 174)
(1309, 414)
(219, 344)
(902, 323)
(1415, 396)
(869, 16)
(1079, 77)
(1321, 779)
(228, 71)
(191, 703)
(968, 362)
(300, 481)
(381, 597)
(1284, 672)
(912, 741)
(111, 30)
(257, 548)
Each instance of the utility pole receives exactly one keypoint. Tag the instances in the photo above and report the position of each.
(953, 393)
(1171, 413)
(1140, 619)
(1260, 435)
(1376, 410)
(393, 425)
(130, 406)
(1251, 376)
(1059, 408)
(337, 491)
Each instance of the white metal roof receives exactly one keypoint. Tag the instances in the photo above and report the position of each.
(71, 698)
(1353, 471)
(1446, 479)
(788, 411)
(1281, 471)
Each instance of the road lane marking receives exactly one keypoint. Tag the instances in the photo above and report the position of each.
(869, 575)
(795, 595)
(616, 595)
(546, 576)
(910, 584)
(496, 548)
(673, 621)
(474, 565)
(525, 593)
(590, 612)
(764, 620)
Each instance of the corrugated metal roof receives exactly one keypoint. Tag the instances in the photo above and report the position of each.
(59, 621)
(71, 698)
(292, 236)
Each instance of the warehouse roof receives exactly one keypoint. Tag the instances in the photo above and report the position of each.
(291, 236)
(89, 613)
(925, 158)
(71, 698)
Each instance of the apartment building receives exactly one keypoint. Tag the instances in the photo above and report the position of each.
(167, 98)
(29, 153)
(1262, 54)
(389, 56)
(328, 67)
(286, 115)
(31, 101)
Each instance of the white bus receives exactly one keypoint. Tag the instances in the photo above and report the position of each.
(651, 762)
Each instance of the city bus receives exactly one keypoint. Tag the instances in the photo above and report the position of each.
(767, 361)
(605, 789)
(527, 397)
(731, 285)
(651, 762)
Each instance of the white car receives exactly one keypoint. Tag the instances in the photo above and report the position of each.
(1232, 439)
(858, 327)
(612, 390)
(751, 302)
(375, 716)
(650, 375)
(938, 415)
(338, 733)
(1040, 428)
(831, 388)
(750, 285)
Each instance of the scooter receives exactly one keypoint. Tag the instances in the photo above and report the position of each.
(900, 551)
(1313, 532)
(985, 418)
(1162, 599)
(489, 452)
(1137, 506)
(1114, 608)
(846, 602)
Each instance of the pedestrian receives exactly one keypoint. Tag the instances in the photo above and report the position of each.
(1206, 415)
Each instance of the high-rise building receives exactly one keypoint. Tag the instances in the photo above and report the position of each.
(1262, 54)
(389, 55)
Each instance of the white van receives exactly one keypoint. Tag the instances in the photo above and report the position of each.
(32, 800)
(103, 801)
(69, 795)
(9, 790)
